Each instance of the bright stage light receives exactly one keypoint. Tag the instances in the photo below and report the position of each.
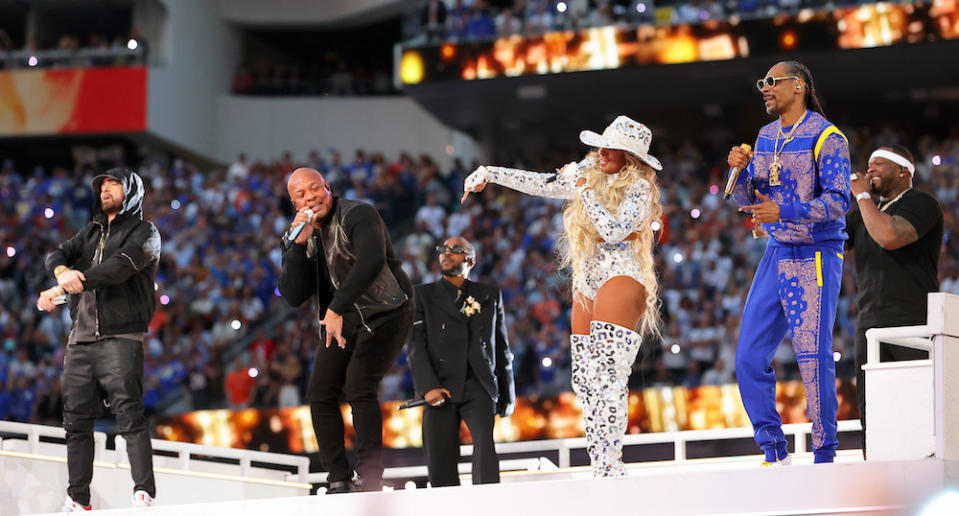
(695, 213)
(175, 204)
(11, 251)
(236, 324)
(640, 8)
(561, 7)
(678, 257)
(674, 349)
(32, 61)
(132, 44)
(943, 504)
(48, 213)
(547, 362)
(253, 372)
(164, 300)
(411, 67)
(937, 160)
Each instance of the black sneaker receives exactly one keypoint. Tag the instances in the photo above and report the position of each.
(341, 486)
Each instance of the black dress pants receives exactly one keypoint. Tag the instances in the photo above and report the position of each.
(441, 432)
(887, 353)
(354, 373)
(114, 366)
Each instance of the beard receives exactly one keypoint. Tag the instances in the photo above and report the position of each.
(454, 270)
(111, 206)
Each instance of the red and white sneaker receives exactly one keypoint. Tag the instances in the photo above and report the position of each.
(70, 506)
(142, 499)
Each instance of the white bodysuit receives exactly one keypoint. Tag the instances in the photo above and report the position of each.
(613, 257)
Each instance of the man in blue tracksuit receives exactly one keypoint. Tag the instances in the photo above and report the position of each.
(796, 185)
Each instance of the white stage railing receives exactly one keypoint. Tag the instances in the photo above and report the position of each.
(564, 448)
(33, 434)
(185, 451)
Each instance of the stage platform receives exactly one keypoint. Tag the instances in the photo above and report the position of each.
(709, 486)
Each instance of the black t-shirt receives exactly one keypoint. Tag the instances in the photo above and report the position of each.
(893, 285)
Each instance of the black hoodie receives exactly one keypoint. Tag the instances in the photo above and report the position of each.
(121, 277)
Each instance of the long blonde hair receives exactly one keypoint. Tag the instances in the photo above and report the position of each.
(580, 237)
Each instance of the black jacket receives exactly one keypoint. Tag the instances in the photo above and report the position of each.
(444, 339)
(349, 265)
(123, 280)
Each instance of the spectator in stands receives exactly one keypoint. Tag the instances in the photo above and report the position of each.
(433, 19)
(507, 24)
(462, 366)
(239, 386)
(614, 284)
(897, 245)
(109, 268)
(344, 258)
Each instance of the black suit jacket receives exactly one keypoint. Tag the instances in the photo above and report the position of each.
(444, 340)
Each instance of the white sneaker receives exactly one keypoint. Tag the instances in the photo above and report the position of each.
(70, 506)
(142, 499)
(787, 461)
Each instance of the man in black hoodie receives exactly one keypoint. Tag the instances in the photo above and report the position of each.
(108, 268)
(344, 258)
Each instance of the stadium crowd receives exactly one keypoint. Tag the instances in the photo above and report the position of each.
(223, 338)
(467, 20)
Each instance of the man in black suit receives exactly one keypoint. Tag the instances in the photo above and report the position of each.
(461, 364)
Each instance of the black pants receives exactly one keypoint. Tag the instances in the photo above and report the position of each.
(355, 373)
(887, 353)
(114, 366)
(441, 437)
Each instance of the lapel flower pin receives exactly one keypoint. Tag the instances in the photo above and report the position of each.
(470, 306)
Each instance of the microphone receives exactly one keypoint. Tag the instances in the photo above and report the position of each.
(734, 174)
(588, 162)
(295, 232)
(412, 403)
(417, 402)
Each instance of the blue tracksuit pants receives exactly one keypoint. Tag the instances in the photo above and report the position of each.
(795, 288)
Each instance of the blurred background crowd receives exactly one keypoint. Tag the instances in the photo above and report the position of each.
(223, 338)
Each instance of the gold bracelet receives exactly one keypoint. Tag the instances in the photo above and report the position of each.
(60, 270)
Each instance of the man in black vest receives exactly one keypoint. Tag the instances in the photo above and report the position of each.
(343, 257)
(897, 244)
(461, 364)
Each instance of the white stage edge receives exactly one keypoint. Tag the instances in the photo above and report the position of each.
(737, 486)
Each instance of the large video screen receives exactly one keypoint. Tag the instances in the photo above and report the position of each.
(655, 409)
(605, 48)
(73, 101)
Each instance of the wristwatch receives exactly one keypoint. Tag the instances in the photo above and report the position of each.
(863, 195)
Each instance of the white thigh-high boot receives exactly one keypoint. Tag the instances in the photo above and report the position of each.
(584, 382)
(613, 351)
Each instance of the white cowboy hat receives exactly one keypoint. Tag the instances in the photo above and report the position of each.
(624, 134)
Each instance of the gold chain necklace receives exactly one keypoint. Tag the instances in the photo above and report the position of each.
(890, 203)
(777, 164)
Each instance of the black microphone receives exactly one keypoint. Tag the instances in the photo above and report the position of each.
(412, 403)
(295, 232)
(734, 174)
(586, 163)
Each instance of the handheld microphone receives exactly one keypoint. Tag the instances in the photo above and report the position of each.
(734, 174)
(412, 403)
(586, 163)
(295, 232)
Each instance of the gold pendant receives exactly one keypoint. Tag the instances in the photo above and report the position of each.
(774, 169)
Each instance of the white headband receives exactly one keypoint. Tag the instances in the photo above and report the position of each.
(895, 158)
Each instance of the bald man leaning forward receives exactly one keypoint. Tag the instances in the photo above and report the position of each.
(344, 260)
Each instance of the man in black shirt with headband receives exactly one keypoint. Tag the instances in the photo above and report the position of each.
(897, 243)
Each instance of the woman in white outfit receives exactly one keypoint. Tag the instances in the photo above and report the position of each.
(608, 244)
